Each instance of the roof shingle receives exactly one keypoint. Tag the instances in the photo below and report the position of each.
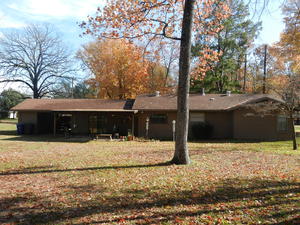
(72, 105)
(208, 102)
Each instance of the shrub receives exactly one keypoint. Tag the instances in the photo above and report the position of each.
(3, 115)
(201, 130)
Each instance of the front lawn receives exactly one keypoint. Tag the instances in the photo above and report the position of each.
(75, 181)
(13, 121)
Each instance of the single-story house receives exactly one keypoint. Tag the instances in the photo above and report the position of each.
(154, 115)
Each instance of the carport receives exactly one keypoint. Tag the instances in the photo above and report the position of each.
(80, 116)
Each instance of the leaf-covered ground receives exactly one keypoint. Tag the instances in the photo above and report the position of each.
(56, 181)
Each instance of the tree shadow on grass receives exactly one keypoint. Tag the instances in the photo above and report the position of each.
(251, 194)
(11, 135)
(226, 141)
(46, 169)
(43, 138)
(8, 202)
(8, 132)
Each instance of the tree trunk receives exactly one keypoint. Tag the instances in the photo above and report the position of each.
(181, 155)
(35, 91)
(295, 146)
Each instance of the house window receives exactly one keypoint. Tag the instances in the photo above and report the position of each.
(197, 117)
(282, 123)
(98, 123)
(158, 118)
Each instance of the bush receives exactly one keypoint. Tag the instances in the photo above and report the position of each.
(3, 115)
(201, 130)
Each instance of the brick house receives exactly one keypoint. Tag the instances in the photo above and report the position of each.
(224, 112)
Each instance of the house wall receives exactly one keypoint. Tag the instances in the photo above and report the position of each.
(221, 121)
(226, 125)
(256, 127)
(222, 124)
(28, 117)
(156, 131)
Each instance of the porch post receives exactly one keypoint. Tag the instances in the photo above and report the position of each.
(54, 124)
(132, 125)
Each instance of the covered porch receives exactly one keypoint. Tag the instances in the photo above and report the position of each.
(92, 123)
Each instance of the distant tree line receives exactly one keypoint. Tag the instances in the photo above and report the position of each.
(8, 99)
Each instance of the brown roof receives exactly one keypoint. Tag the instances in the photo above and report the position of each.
(74, 105)
(208, 102)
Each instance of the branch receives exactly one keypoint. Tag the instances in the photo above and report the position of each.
(164, 30)
(22, 81)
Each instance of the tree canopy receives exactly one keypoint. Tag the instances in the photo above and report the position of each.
(35, 57)
(10, 98)
(232, 41)
(67, 89)
(289, 44)
(120, 69)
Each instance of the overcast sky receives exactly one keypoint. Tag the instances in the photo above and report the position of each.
(66, 14)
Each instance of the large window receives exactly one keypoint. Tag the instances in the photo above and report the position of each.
(282, 123)
(158, 118)
(98, 123)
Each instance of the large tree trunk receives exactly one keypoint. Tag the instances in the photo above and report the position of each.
(181, 155)
(295, 146)
(35, 90)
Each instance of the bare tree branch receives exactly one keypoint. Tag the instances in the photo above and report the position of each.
(35, 57)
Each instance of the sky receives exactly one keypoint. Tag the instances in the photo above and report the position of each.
(65, 15)
(272, 21)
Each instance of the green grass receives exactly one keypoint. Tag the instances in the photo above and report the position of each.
(75, 181)
(8, 121)
(297, 128)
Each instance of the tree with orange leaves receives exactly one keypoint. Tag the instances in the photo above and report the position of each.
(287, 60)
(286, 53)
(119, 70)
(159, 80)
(284, 67)
(180, 20)
(290, 38)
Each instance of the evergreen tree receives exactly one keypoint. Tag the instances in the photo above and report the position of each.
(10, 98)
(233, 40)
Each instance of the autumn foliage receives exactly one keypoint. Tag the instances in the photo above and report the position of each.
(284, 56)
(120, 69)
(286, 52)
(159, 79)
(153, 19)
(290, 38)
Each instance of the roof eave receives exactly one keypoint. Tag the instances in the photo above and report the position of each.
(253, 101)
(74, 110)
